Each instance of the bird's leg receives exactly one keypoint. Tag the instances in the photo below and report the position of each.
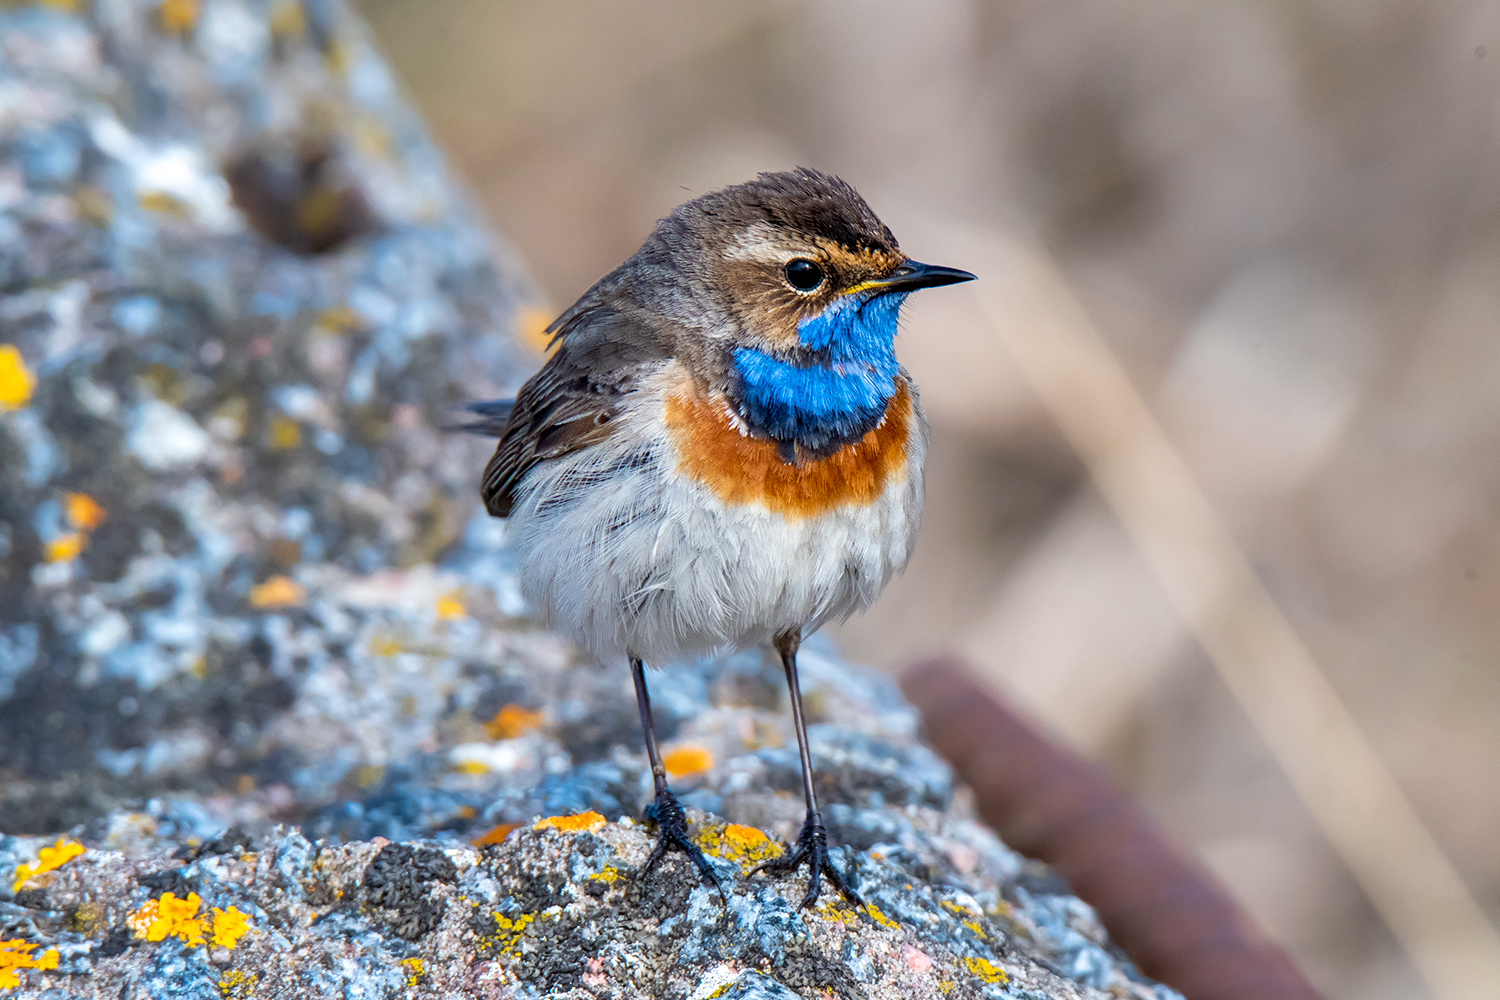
(666, 812)
(812, 844)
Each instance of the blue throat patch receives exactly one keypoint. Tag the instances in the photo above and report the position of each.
(837, 396)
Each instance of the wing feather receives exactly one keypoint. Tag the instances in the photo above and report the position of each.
(573, 402)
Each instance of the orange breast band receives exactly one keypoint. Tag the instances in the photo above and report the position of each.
(744, 470)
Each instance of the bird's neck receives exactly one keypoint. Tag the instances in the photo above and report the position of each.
(837, 389)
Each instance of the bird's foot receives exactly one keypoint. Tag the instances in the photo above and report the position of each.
(812, 848)
(672, 835)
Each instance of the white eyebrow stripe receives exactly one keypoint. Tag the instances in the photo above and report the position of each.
(761, 243)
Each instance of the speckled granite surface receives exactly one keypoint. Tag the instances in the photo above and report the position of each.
(273, 722)
(222, 431)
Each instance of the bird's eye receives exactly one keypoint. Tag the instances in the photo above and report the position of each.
(803, 274)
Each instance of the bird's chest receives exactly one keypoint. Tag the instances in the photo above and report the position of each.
(713, 451)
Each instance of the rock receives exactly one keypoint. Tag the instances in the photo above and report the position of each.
(247, 584)
(234, 412)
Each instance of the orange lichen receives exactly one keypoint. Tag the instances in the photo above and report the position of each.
(229, 926)
(48, 859)
(16, 955)
(159, 919)
(576, 823)
(169, 917)
(16, 380)
(277, 592)
(495, 835)
(512, 721)
(532, 325)
(177, 16)
(683, 761)
(83, 511)
(740, 469)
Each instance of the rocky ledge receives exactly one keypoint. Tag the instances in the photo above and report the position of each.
(273, 719)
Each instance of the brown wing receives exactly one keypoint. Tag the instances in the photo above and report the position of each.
(573, 401)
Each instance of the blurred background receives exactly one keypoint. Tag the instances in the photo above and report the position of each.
(1284, 218)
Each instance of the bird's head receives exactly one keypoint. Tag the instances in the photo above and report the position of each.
(776, 257)
(786, 292)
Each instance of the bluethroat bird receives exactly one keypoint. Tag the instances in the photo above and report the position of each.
(723, 451)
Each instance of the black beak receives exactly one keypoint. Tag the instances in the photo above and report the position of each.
(912, 275)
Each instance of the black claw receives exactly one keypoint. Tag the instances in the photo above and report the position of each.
(812, 848)
(672, 835)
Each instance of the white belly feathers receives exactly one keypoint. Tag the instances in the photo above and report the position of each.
(630, 557)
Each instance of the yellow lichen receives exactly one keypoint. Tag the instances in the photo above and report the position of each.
(986, 970)
(88, 920)
(879, 917)
(164, 204)
(16, 955)
(94, 206)
(609, 876)
(734, 842)
(287, 19)
(237, 985)
(48, 859)
(283, 433)
(339, 318)
(366, 775)
(385, 645)
(16, 380)
(683, 761)
(576, 823)
(64, 548)
(371, 137)
(835, 908)
(336, 58)
(512, 721)
(450, 607)
(414, 970)
(967, 917)
(508, 931)
(277, 592)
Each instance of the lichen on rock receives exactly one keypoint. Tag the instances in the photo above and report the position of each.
(263, 657)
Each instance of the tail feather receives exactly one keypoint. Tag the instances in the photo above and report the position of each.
(493, 416)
